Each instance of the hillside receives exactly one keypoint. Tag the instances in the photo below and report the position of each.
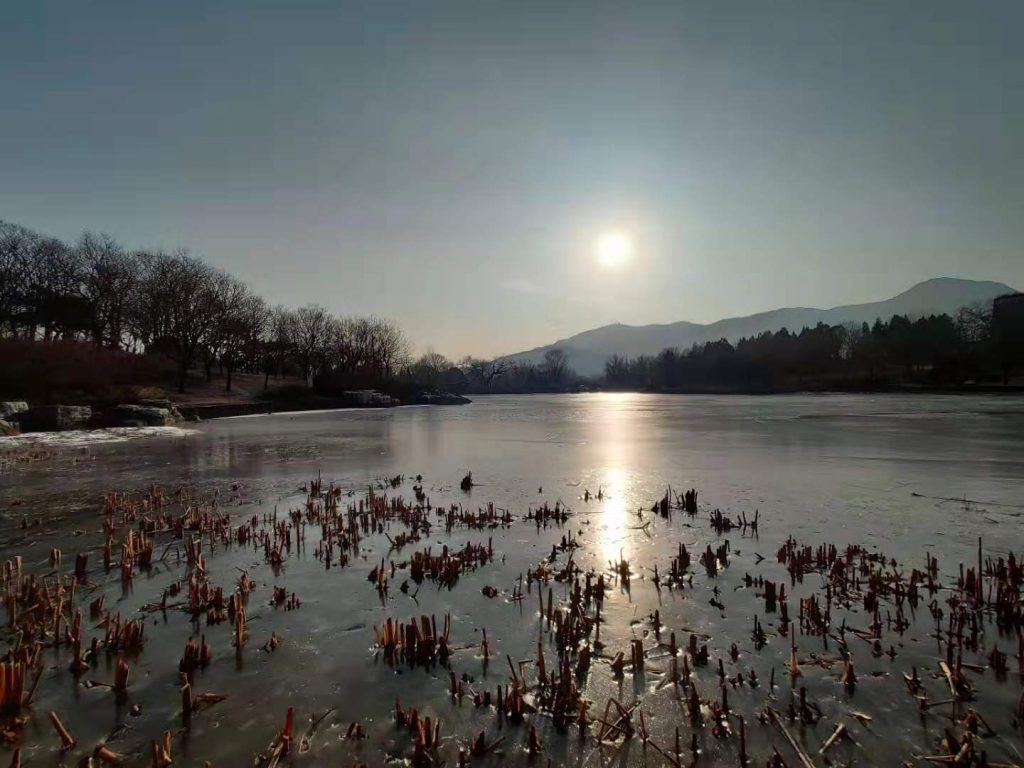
(589, 350)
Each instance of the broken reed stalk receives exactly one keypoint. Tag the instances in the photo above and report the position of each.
(66, 739)
(804, 757)
(106, 755)
(837, 734)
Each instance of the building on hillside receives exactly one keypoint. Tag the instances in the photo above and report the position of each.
(1008, 332)
(1008, 309)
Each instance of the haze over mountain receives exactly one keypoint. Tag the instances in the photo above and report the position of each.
(589, 350)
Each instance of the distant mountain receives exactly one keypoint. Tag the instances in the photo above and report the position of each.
(589, 350)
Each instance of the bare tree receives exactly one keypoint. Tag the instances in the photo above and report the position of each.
(344, 358)
(109, 276)
(279, 342)
(15, 258)
(387, 348)
(974, 328)
(555, 366)
(175, 308)
(312, 327)
(481, 373)
(56, 303)
(240, 322)
(616, 370)
(429, 371)
(974, 322)
(362, 351)
(256, 322)
(148, 308)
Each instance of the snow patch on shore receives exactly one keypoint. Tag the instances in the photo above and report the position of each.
(81, 437)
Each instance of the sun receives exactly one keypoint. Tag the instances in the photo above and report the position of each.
(613, 249)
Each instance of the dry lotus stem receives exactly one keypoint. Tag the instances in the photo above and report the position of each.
(162, 752)
(105, 755)
(67, 741)
(12, 686)
(121, 676)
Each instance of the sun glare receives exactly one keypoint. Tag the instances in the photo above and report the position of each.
(613, 249)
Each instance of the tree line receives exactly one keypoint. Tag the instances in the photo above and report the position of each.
(934, 350)
(179, 307)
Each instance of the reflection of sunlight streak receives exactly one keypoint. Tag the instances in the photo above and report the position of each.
(615, 441)
(615, 397)
(614, 515)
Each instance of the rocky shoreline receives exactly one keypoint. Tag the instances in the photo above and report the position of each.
(17, 416)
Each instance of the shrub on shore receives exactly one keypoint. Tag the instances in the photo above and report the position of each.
(74, 372)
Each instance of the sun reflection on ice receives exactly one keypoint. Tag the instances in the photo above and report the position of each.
(614, 515)
(616, 478)
(611, 433)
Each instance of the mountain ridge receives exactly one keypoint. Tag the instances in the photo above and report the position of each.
(588, 350)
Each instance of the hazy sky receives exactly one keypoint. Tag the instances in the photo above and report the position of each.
(450, 165)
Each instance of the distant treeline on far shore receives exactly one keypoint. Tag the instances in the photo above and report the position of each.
(939, 351)
(94, 320)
